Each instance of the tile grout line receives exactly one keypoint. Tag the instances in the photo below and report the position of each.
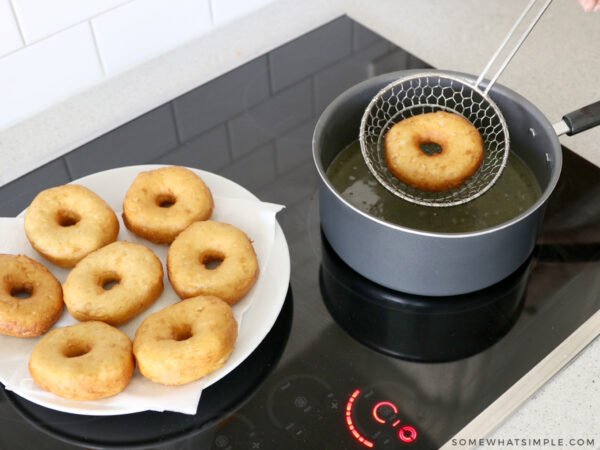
(88, 19)
(270, 76)
(229, 139)
(54, 33)
(178, 135)
(211, 12)
(314, 97)
(273, 146)
(95, 41)
(353, 43)
(328, 65)
(14, 13)
(273, 143)
(67, 168)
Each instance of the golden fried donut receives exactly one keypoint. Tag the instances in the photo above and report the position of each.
(193, 254)
(65, 223)
(90, 291)
(461, 155)
(185, 341)
(34, 315)
(162, 203)
(87, 361)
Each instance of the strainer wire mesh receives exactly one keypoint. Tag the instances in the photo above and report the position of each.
(430, 92)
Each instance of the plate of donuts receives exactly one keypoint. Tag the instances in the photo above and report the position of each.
(245, 240)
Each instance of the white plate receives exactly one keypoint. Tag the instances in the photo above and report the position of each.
(267, 298)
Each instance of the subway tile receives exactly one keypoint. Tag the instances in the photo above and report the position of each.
(269, 119)
(225, 11)
(295, 147)
(41, 18)
(396, 59)
(363, 37)
(221, 99)
(291, 187)
(298, 59)
(332, 81)
(294, 220)
(209, 151)
(143, 29)
(18, 194)
(137, 142)
(254, 169)
(416, 63)
(10, 38)
(44, 73)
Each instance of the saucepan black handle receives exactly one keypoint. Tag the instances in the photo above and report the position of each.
(583, 119)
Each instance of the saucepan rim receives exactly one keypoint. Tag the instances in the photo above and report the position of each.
(382, 80)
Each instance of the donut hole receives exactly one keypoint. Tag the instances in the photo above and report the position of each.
(21, 291)
(109, 281)
(181, 332)
(430, 148)
(75, 349)
(165, 200)
(211, 259)
(67, 218)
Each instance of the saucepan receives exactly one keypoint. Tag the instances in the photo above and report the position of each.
(434, 263)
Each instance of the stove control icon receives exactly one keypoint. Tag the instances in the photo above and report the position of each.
(375, 423)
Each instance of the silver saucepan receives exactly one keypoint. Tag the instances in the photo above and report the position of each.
(433, 263)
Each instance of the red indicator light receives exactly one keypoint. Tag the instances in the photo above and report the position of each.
(407, 434)
(379, 405)
(350, 422)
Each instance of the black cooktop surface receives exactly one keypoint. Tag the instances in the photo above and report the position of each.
(325, 376)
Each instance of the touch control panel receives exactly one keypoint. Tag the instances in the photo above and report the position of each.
(376, 423)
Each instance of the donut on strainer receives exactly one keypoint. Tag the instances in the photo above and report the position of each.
(462, 151)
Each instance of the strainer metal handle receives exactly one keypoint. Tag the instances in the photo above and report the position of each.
(514, 50)
(432, 91)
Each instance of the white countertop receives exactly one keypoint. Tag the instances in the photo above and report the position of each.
(557, 69)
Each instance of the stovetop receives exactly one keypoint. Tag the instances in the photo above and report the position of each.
(323, 377)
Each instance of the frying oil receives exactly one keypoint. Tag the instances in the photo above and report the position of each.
(514, 192)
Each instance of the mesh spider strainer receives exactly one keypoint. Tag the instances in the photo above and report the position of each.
(428, 92)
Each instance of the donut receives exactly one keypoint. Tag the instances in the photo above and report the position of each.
(185, 341)
(114, 284)
(31, 298)
(86, 361)
(192, 256)
(66, 223)
(460, 157)
(161, 203)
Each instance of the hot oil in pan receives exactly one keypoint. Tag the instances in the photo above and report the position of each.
(515, 191)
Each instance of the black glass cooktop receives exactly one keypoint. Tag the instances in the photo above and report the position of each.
(327, 375)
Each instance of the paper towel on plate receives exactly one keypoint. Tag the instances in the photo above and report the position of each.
(255, 218)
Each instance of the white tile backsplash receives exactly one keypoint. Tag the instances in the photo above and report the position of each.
(10, 38)
(137, 31)
(225, 11)
(41, 18)
(52, 49)
(44, 73)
